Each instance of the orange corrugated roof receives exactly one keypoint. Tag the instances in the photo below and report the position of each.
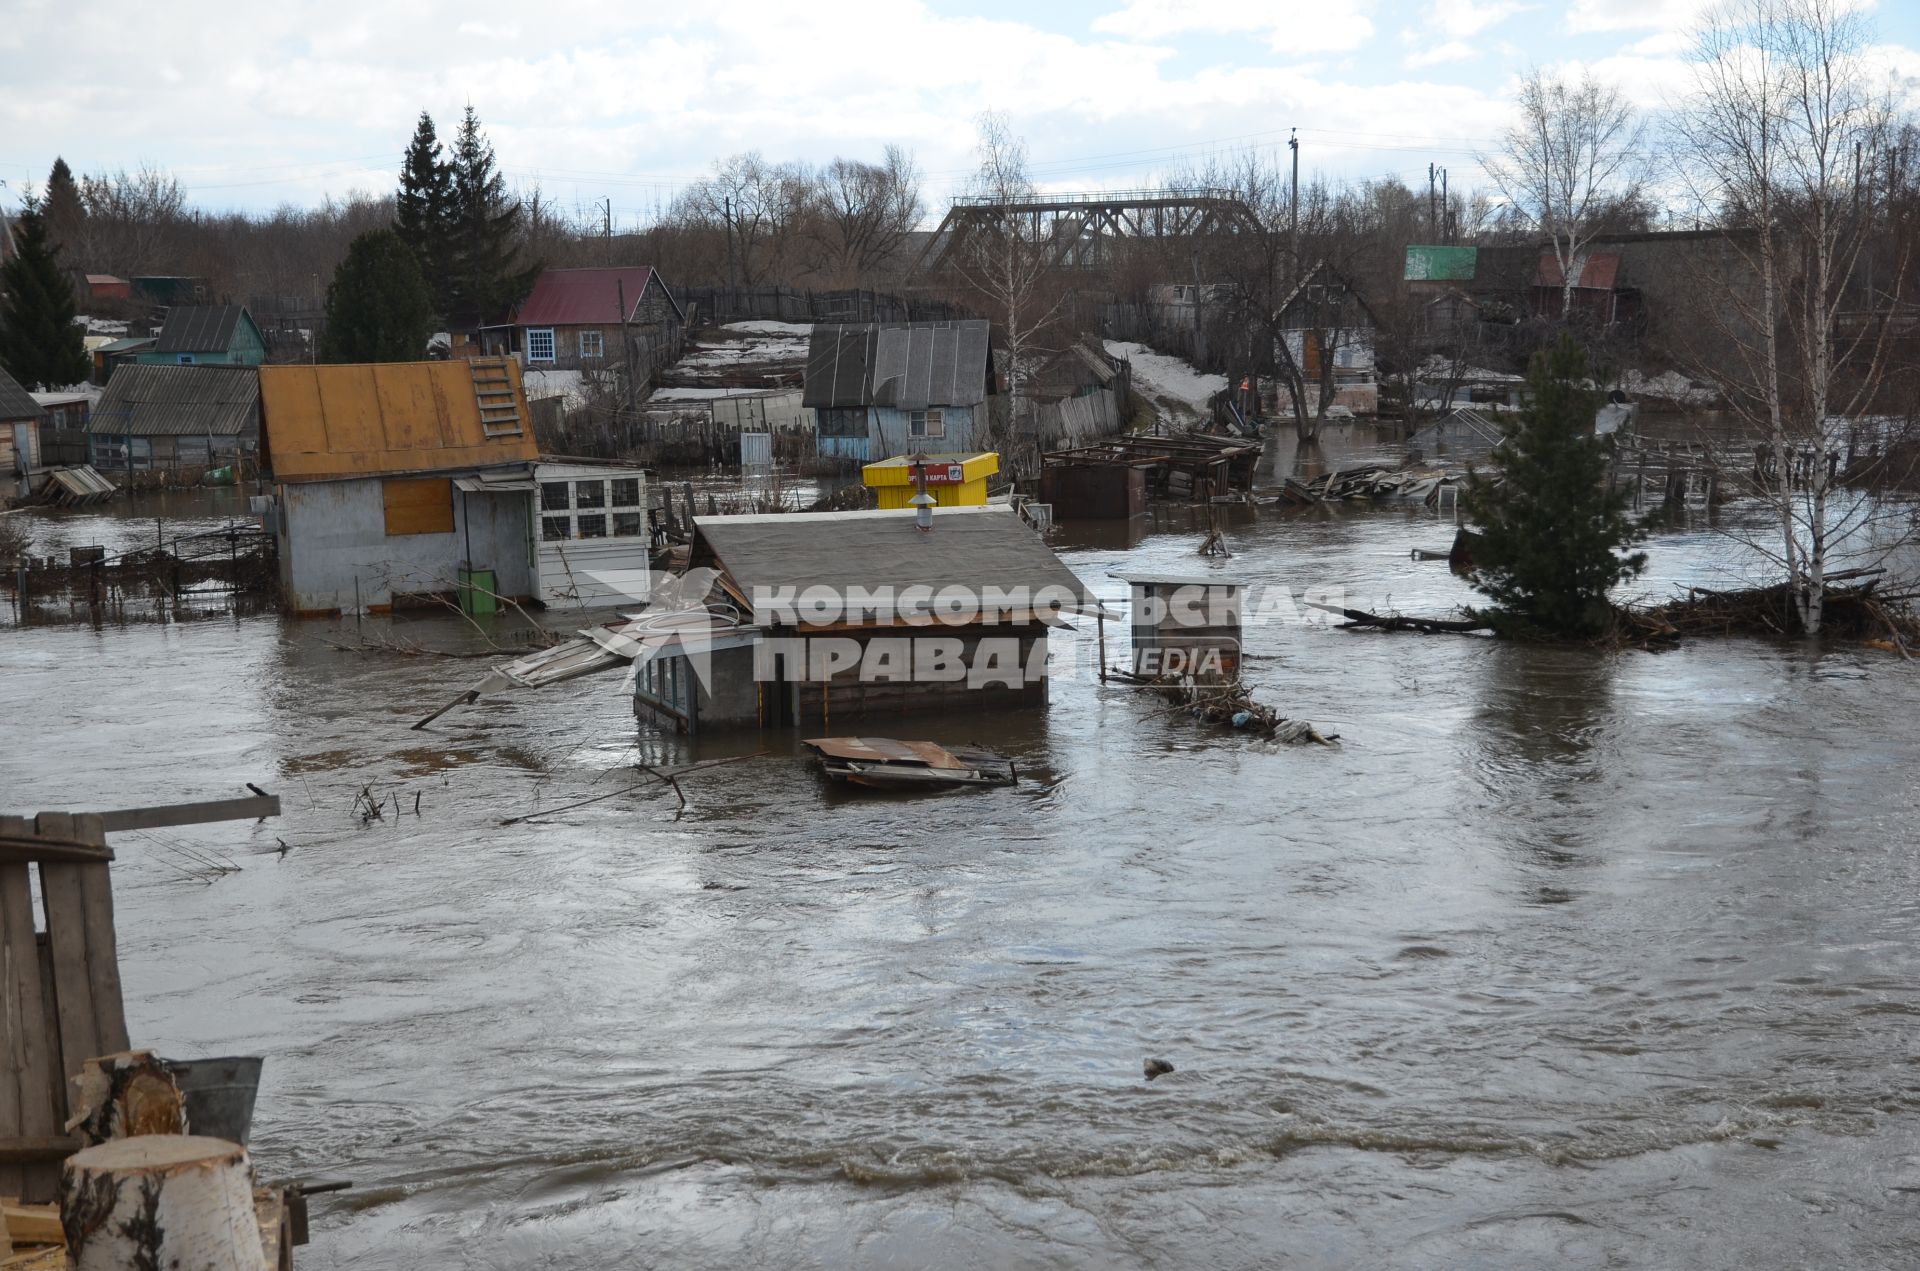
(372, 420)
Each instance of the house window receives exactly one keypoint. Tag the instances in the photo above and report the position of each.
(592, 344)
(926, 423)
(590, 494)
(626, 492)
(593, 526)
(553, 496)
(626, 524)
(418, 506)
(554, 528)
(186, 359)
(539, 344)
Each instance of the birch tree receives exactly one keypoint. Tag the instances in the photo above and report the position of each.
(1010, 262)
(1784, 129)
(1575, 152)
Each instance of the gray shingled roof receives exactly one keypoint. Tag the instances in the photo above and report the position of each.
(909, 365)
(973, 548)
(15, 402)
(199, 328)
(180, 401)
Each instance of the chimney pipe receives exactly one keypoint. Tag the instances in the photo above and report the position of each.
(922, 502)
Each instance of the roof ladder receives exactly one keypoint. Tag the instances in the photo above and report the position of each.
(499, 403)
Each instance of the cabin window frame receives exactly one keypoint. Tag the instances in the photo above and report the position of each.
(931, 422)
(592, 344)
(542, 334)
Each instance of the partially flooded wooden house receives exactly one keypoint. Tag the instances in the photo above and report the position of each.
(864, 615)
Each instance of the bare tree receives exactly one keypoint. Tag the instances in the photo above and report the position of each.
(132, 220)
(1785, 130)
(861, 213)
(1575, 153)
(756, 204)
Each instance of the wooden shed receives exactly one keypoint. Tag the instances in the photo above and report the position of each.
(1185, 624)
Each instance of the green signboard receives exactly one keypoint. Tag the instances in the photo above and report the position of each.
(1441, 264)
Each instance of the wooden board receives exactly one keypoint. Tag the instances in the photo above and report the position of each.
(421, 506)
(29, 1070)
(89, 1012)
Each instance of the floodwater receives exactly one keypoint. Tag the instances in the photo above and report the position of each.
(1561, 959)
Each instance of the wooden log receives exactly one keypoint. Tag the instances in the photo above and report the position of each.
(123, 1095)
(33, 1224)
(162, 1200)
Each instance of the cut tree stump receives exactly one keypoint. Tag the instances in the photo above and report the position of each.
(161, 1200)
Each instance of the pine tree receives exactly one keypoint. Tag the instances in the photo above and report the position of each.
(379, 308)
(486, 222)
(1552, 531)
(423, 213)
(65, 213)
(40, 345)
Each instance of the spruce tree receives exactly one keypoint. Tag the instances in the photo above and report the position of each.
(423, 212)
(40, 345)
(379, 308)
(64, 211)
(1552, 532)
(486, 276)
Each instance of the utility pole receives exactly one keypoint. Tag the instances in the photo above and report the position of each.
(733, 277)
(1446, 210)
(1293, 215)
(1433, 216)
(609, 229)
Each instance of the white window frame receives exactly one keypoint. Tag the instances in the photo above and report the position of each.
(599, 348)
(926, 423)
(534, 333)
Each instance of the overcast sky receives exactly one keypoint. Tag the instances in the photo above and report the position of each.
(255, 105)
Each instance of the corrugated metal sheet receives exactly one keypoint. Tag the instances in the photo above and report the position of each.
(325, 422)
(15, 402)
(127, 344)
(180, 401)
(972, 548)
(909, 365)
(200, 328)
(1596, 270)
(582, 297)
(1441, 264)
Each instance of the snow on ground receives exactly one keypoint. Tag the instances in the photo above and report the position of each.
(674, 393)
(1669, 386)
(770, 327)
(554, 383)
(1169, 381)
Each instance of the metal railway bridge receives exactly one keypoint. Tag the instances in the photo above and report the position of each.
(1076, 230)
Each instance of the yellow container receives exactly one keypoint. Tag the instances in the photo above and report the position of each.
(954, 481)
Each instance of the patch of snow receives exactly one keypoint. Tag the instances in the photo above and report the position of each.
(556, 383)
(1668, 386)
(766, 326)
(702, 394)
(1167, 378)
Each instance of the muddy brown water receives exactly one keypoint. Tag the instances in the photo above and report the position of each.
(1563, 959)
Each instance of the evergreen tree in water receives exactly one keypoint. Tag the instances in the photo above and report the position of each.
(423, 213)
(1552, 532)
(39, 344)
(378, 306)
(486, 278)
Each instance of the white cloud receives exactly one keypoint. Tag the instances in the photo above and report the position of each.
(1586, 16)
(1292, 26)
(1463, 18)
(1451, 51)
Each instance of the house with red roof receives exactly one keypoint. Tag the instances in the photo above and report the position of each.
(578, 318)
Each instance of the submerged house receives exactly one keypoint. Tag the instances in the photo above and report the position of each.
(199, 335)
(857, 615)
(168, 416)
(885, 389)
(398, 483)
